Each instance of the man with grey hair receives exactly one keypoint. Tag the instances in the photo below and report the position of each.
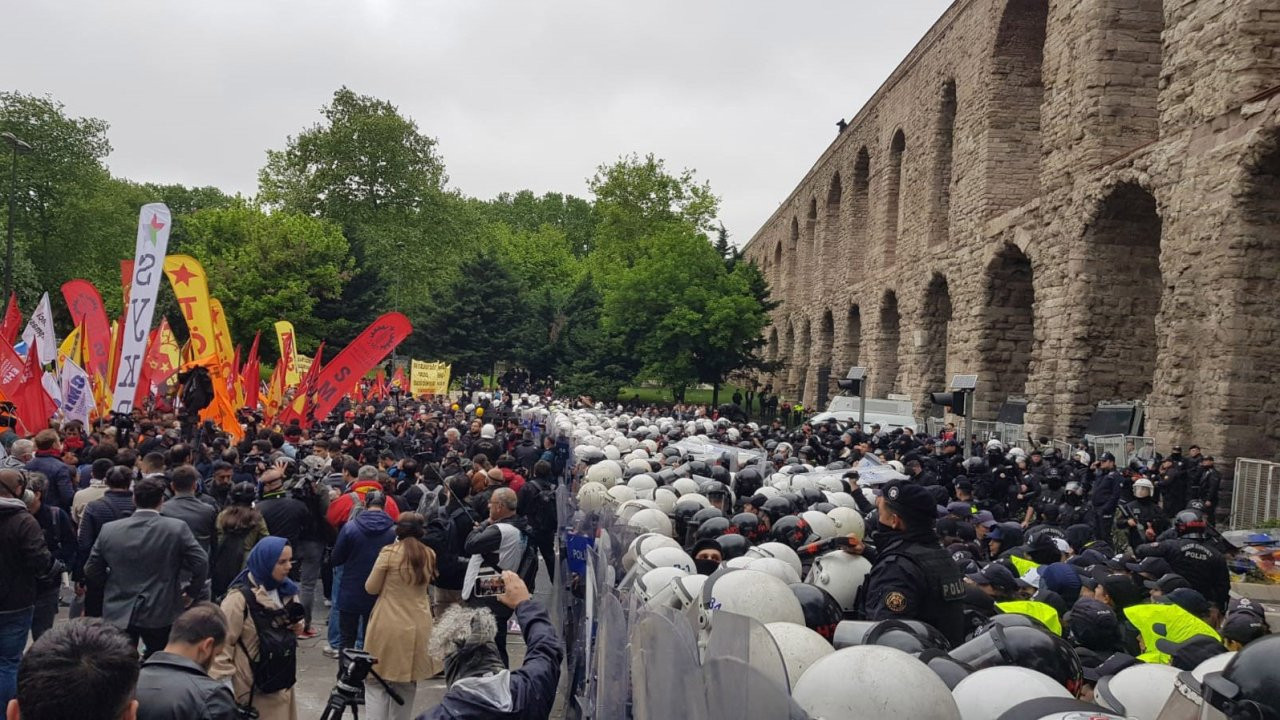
(502, 543)
(20, 453)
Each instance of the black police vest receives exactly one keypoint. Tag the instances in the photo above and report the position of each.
(944, 606)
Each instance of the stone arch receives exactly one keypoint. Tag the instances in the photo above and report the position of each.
(823, 357)
(1008, 330)
(893, 196)
(811, 227)
(935, 325)
(793, 253)
(1253, 332)
(776, 269)
(786, 355)
(884, 368)
(1123, 289)
(941, 226)
(859, 213)
(771, 348)
(799, 360)
(1013, 113)
(852, 339)
(831, 223)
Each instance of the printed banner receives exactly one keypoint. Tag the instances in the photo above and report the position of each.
(39, 332)
(87, 311)
(149, 257)
(304, 366)
(287, 341)
(341, 374)
(77, 393)
(191, 288)
(429, 378)
(221, 333)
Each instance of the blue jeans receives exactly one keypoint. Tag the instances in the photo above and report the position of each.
(14, 627)
(333, 633)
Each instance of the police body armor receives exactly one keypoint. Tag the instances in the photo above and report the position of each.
(944, 607)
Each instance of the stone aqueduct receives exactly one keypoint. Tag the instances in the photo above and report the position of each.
(1078, 200)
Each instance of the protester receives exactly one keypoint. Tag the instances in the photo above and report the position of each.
(48, 461)
(184, 505)
(140, 562)
(479, 684)
(263, 615)
(240, 528)
(60, 537)
(356, 551)
(502, 543)
(25, 561)
(115, 503)
(174, 684)
(401, 622)
(80, 669)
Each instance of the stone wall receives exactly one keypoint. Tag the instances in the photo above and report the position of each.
(1077, 200)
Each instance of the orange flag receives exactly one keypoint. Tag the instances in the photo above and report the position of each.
(221, 411)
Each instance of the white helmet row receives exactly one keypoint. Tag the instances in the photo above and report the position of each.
(644, 543)
(848, 521)
(780, 569)
(841, 574)
(873, 681)
(664, 556)
(757, 595)
(779, 551)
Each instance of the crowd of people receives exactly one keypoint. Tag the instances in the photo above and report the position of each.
(192, 568)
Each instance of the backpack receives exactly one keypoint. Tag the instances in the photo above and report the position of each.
(357, 505)
(543, 517)
(227, 562)
(276, 667)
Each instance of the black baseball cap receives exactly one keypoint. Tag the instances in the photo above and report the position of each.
(997, 576)
(1167, 583)
(909, 500)
(1094, 625)
(1188, 599)
(1245, 605)
(1109, 667)
(1243, 627)
(1154, 566)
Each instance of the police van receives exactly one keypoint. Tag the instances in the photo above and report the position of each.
(889, 414)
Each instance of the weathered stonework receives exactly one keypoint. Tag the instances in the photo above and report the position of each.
(1078, 200)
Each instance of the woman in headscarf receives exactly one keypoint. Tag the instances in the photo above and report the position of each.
(400, 625)
(263, 616)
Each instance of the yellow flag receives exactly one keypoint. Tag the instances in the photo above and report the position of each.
(191, 288)
(288, 352)
(70, 348)
(221, 333)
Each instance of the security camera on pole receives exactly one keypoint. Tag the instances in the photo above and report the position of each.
(853, 383)
(960, 402)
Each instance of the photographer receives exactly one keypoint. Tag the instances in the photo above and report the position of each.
(312, 493)
(503, 543)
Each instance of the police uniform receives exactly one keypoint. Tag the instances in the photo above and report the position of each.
(1197, 560)
(913, 577)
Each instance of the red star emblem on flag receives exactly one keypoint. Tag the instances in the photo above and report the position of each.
(182, 275)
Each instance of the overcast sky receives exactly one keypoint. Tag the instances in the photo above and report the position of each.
(531, 94)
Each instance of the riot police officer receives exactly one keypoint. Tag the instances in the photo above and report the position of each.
(1192, 557)
(912, 577)
(1104, 495)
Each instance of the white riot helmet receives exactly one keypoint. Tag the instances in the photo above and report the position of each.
(643, 485)
(695, 499)
(988, 693)
(848, 521)
(605, 472)
(841, 499)
(666, 500)
(898, 467)
(654, 583)
(592, 496)
(888, 683)
(664, 557)
(651, 520)
(611, 452)
(687, 591)
(775, 567)
(831, 485)
(1139, 691)
(619, 494)
(685, 486)
(1143, 488)
(820, 523)
(777, 550)
(638, 463)
(841, 574)
(769, 491)
(800, 648)
(759, 596)
(739, 562)
(643, 544)
(628, 509)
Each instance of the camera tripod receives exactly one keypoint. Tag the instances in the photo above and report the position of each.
(348, 691)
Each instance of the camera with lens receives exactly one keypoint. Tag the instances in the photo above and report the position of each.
(358, 665)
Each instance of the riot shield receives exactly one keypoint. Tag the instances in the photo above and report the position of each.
(741, 638)
(612, 687)
(665, 676)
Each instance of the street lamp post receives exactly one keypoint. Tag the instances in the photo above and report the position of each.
(19, 147)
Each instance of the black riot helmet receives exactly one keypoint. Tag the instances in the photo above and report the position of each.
(748, 525)
(712, 529)
(909, 636)
(714, 490)
(811, 496)
(1030, 647)
(749, 481)
(792, 531)
(720, 473)
(1248, 688)
(777, 508)
(732, 545)
(822, 612)
(1190, 524)
(951, 671)
(706, 514)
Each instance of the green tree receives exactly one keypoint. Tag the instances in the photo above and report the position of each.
(473, 319)
(269, 267)
(572, 216)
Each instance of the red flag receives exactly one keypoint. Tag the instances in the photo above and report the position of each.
(12, 321)
(302, 401)
(126, 280)
(399, 380)
(87, 310)
(35, 407)
(150, 360)
(235, 367)
(366, 351)
(251, 373)
(380, 384)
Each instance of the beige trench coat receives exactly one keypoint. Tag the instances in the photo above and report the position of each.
(401, 622)
(232, 661)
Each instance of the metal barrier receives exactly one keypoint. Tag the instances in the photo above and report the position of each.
(1255, 496)
(1010, 434)
(1063, 447)
(934, 425)
(1141, 448)
(1113, 444)
(984, 430)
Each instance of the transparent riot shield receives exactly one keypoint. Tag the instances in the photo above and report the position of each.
(612, 679)
(742, 638)
(665, 676)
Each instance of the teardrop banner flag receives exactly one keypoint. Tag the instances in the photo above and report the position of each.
(87, 310)
(149, 258)
(221, 335)
(288, 353)
(342, 373)
(191, 288)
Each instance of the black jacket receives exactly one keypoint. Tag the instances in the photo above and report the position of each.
(60, 489)
(286, 517)
(527, 454)
(171, 687)
(59, 537)
(447, 537)
(913, 578)
(24, 556)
